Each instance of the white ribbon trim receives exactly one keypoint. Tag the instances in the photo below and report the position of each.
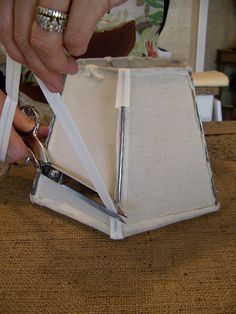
(13, 71)
(123, 88)
(6, 120)
(116, 232)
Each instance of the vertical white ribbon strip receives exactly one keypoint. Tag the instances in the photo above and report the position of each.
(64, 117)
(116, 232)
(13, 71)
(123, 88)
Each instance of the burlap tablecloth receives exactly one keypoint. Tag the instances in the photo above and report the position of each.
(51, 264)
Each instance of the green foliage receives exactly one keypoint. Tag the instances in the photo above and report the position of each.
(156, 18)
(155, 3)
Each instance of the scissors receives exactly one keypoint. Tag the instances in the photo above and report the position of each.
(38, 156)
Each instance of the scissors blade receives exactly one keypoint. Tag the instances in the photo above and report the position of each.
(58, 176)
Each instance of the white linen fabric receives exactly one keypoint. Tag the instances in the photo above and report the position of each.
(166, 174)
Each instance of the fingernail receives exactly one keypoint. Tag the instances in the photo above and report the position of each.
(53, 89)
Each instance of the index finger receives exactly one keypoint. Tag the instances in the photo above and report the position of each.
(49, 45)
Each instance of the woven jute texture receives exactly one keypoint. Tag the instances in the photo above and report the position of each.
(51, 264)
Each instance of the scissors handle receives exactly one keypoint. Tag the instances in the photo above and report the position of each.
(37, 152)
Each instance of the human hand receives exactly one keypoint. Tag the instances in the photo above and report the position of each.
(17, 150)
(49, 54)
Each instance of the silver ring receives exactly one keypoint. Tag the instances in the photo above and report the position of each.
(51, 20)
